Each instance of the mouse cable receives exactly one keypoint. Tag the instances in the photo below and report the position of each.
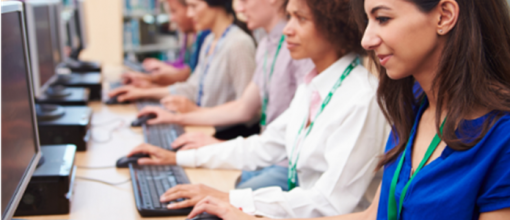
(109, 132)
(100, 124)
(103, 182)
(100, 167)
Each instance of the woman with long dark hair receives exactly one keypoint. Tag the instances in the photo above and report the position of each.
(445, 87)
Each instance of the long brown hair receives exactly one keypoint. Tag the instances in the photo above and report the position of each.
(474, 70)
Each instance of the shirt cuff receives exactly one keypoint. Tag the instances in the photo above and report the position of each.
(243, 198)
(186, 158)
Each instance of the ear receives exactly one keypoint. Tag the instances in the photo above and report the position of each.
(448, 14)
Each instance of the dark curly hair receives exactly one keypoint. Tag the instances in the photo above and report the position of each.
(334, 19)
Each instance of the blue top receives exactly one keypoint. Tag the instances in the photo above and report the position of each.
(195, 49)
(458, 184)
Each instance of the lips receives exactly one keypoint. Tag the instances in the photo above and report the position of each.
(291, 45)
(383, 59)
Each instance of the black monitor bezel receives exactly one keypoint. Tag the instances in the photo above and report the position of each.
(16, 7)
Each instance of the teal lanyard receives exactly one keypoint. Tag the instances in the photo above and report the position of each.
(393, 213)
(267, 80)
(292, 175)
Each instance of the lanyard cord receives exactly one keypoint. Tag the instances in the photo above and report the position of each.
(393, 213)
(209, 59)
(292, 175)
(267, 80)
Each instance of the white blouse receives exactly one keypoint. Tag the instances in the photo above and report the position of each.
(337, 159)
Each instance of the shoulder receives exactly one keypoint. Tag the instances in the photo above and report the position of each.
(362, 83)
(237, 39)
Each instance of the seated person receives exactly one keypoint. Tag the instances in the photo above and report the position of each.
(167, 73)
(449, 154)
(273, 86)
(332, 133)
(226, 64)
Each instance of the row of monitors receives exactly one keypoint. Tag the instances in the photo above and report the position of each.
(19, 136)
(53, 34)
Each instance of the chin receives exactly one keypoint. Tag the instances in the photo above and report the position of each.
(297, 55)
(396, 74)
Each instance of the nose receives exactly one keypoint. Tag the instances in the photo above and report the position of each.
(289, 29)
(371, 39)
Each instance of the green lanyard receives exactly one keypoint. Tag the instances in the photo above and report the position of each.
(265, 100)
(292, 176)
(393, 213)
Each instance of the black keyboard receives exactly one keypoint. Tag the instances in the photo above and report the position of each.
(135, 66)
(162, 135)
(150, 182)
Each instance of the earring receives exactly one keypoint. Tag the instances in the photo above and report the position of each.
(440, 31)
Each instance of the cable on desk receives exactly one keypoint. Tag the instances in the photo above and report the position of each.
(100, 167)
(106, 122)
(110, 132)
(103, 182)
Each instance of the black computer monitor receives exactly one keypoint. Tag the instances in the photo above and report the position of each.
(42, 49)
(81, 23)
(20, 142)
(56, 31)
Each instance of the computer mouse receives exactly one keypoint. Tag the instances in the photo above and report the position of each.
(124, 161)
(142, 120)
(205, 216)
(113, 101)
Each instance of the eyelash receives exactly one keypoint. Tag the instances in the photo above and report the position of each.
(382, 20)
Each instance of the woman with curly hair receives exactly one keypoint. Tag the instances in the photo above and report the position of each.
(331, 134)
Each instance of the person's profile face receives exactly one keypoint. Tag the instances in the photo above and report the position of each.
(202, 15)
(256, 12)
(303, 38)
(403, 38)
(178, 15)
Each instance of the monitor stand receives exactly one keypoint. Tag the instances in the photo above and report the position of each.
(46, 112)
(90, 80)
(79, 66)
(60, 95)
(51, 186)
(70, 128)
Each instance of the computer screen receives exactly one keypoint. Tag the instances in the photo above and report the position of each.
(58, 55)
(81, 23)
(73, 39)
(45, 49)
(20, 145)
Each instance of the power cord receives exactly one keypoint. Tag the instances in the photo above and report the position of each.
(103, 182)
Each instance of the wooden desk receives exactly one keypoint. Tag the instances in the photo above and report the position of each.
(92, 200)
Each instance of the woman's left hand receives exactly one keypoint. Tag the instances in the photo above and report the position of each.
(220, 208)
(192, 193)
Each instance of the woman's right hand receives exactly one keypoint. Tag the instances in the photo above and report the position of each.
(219, 208)
(162, 116)
(152, 64)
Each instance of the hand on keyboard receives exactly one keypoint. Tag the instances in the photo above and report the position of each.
(192, 193)
(179, 104)
(219, 208)
(137, 79)
(162, 116)
(193, 140)
(158, 156)
(127, 93)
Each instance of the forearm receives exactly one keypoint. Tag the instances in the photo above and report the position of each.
(166, 79)
(227, 114)
(155, 93)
